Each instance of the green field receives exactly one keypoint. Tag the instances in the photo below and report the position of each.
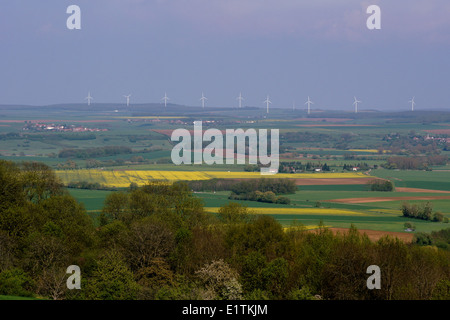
(383, 216)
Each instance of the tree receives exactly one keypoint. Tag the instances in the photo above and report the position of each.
(251, 274)
(233, 213)
(39, 182)
(11, 187)
(115, 207)
(381, 185)
(111, 279)
(153, 277)
(275, 276)
(219, 281)
(146, 240)
(15, 282)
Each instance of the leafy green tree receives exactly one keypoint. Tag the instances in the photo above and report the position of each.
(115, 207)
(67, 219)
(39, 182)
(154, 276)
(111, 280)
(146, 240)
(442, 290)
(233, 212)
(11, 189)
(275, 276)
(15, 282)
(251, 275)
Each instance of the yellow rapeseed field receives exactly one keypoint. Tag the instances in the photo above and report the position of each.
(296, 211)
(123, 178)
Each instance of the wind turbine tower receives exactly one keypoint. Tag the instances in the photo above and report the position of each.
(128, 99)
(309, 102)
(203, 99)
(165, 98)
(267, 102)
(412, 104)
(89, 98)
(356, 104)
(240, 98)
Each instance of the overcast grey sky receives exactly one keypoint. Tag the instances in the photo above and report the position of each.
(288, 49)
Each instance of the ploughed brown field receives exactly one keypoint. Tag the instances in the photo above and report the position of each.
(375, 235)
(420, 190)
(381, 199)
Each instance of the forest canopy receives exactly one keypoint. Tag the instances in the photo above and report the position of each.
(157, 242)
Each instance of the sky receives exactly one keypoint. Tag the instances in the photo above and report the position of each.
(285, 49)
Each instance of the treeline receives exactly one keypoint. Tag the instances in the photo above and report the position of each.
(263, 190)
(210, 185)
(157, 242)
(415, 163)
(64, 136)
(282, 186)
(278, 186)
(89, 186)
(268, 197)
(87, 153)
(440, 239)
(422, 211)
(43, 136)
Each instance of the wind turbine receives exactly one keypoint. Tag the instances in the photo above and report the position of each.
(128, 99)
(203, 99)
(412, 104)
(293, 105)
(267, 102)
(240, 98)
(356, 104)
(89, 98)
(309, 102)
(165, 98)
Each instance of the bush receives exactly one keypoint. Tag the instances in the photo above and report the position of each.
(15, 282)
(423, 212)
(438, 217)
(423, 239)
(381, 185)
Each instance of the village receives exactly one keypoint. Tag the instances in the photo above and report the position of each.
(40, 127)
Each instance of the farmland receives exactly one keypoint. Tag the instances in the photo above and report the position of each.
(123, 178)
(331, 141)
(123, 190)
